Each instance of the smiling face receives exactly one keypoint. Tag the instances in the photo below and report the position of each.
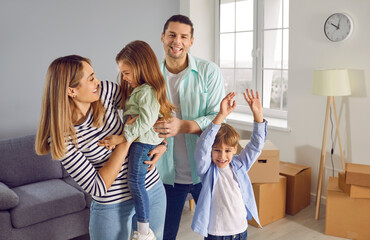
(127, 74)
(223, 154)
(87, 90)
(177, 40)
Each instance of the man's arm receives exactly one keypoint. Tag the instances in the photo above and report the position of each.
(215, 93)
(175, 126)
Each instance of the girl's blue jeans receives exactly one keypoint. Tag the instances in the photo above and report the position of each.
(115, 221)
(137, 170)
(240, 236)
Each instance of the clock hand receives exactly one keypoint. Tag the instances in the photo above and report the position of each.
(340, 20)
(337, 27)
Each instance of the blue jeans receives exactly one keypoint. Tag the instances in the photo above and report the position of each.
(114, 221)
(176, 197)
(240, 236)
(137, 169)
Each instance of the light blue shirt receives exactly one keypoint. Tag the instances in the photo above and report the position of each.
(200, 91)
(240, 164)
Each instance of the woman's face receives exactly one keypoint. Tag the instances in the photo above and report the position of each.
(127, 74)
(87, 90)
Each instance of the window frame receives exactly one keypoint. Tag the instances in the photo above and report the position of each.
(257, 54)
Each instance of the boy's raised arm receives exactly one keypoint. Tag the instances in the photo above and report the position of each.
(227, 106)
(255, 105)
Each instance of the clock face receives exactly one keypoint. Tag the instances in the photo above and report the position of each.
(338, 27)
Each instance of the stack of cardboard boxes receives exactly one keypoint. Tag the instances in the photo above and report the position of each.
(277, 193)
(348, 203)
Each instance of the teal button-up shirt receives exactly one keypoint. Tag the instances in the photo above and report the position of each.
(201, 91)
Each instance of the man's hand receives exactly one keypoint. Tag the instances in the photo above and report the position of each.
(255, 105)
(168, 128)
(156, 153)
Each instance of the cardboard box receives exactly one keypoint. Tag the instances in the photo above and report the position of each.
(353, 191)
(298, 194)
(358, 174)
(270, 200)
(266, 167)
(346, 217)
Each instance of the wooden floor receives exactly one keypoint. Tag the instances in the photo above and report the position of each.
(301, 226)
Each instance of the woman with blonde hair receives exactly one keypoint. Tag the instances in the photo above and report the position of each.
(77, 111)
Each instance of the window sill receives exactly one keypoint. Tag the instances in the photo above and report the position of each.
(244, 121)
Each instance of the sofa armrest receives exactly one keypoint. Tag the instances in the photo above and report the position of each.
(8, 198)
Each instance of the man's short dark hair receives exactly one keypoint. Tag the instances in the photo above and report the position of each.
(181, 19)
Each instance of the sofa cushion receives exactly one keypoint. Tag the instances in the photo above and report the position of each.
(72, 182)
(20, 165)
(8, 198)
(45, 200)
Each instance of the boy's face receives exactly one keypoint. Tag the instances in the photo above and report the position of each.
(223, 154)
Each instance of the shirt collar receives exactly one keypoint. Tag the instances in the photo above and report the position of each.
(191, 63)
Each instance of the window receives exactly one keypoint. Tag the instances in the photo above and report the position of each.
(253, 51)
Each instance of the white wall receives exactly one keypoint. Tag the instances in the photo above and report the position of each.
(309, 50)
(201, 13)
(33, 33)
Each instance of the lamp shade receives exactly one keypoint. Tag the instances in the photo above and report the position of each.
(331, 82)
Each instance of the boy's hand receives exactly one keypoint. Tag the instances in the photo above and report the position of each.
(255, 105)
(227, 104)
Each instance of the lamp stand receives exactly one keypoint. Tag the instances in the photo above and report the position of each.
(330, 101)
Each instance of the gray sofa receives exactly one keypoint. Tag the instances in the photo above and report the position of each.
(38, 199)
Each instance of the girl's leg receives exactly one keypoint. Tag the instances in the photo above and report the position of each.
(137, 169)
(157, 199)
(111, 221)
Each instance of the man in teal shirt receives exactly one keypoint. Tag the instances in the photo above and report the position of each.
(197, 88)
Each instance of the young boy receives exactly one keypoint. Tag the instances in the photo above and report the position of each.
(227, 200)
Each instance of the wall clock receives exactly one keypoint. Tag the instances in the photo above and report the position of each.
(338, 27)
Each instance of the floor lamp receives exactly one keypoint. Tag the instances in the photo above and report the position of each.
(330, 83)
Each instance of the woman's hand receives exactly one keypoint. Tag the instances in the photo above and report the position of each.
(156, 153)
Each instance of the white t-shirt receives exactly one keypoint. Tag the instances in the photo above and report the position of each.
(228, 215)
(183, 171)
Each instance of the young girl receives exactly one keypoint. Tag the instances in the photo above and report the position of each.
(77, 110)
(143, 96)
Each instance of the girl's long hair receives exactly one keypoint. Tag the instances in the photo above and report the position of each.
(141, 58)
(58, 109)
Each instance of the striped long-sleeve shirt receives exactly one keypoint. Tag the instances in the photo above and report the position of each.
(84, 162)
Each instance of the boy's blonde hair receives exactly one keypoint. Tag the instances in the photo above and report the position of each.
(227, 135)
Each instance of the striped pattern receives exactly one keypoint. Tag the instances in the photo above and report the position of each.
(84, 163)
